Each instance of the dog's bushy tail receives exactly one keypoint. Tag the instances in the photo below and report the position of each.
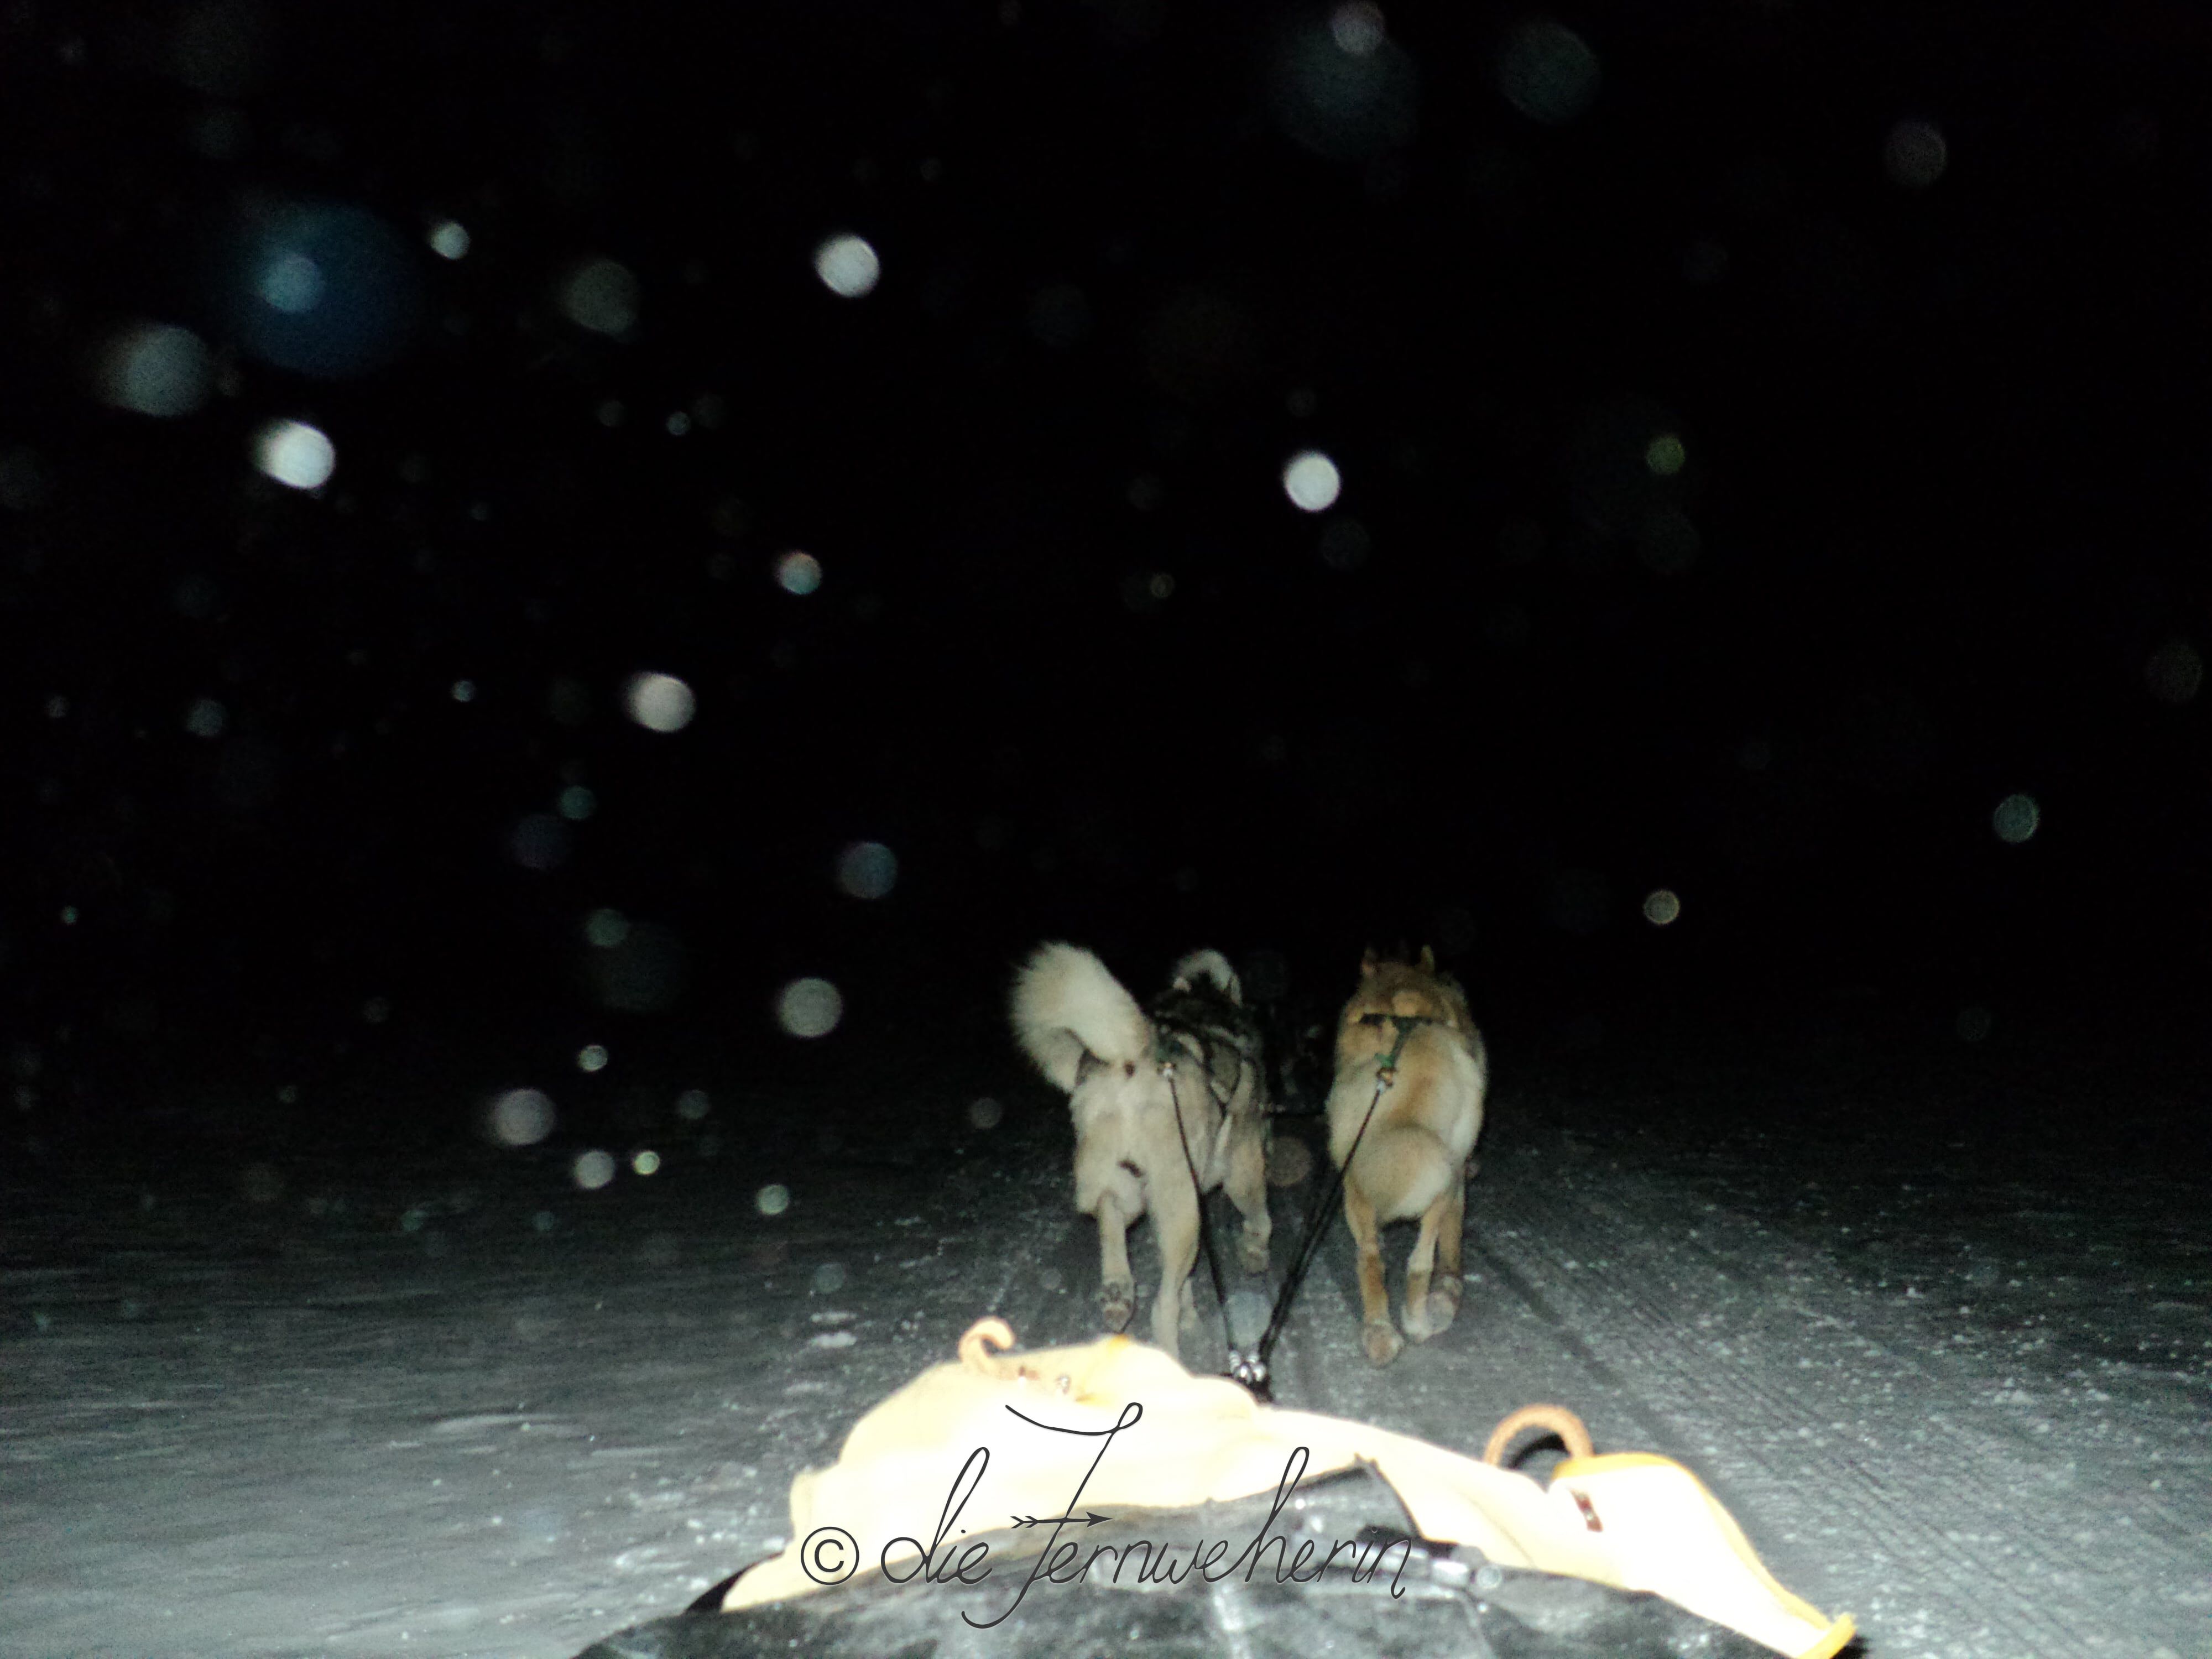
(1208, 965)
(1067, 1006)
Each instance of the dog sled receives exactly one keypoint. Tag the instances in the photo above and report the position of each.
(1100, 1500)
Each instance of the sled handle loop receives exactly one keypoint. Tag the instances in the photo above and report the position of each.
(1558, 1419)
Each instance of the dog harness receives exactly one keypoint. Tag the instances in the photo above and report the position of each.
(1387, 1073)
(1199, 1022)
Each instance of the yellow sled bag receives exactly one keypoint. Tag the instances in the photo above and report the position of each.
(1020, 1503)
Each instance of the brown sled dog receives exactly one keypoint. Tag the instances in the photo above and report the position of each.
(1088, 1034)
(1412, 1157)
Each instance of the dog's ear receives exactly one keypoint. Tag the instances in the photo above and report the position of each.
(1367, 964)
(1428, 960)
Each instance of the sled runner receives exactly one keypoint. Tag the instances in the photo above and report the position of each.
(1099, 1499)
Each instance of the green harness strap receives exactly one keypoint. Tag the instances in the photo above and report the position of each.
(1387, 1073)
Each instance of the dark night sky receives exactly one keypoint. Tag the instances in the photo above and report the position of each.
(1938, 533)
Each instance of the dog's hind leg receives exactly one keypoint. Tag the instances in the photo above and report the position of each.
(1429, 1306)
(1445, 1288)
(1117, 1289)
(1376, 1335)
(1246, 1183)
(1175, 1219)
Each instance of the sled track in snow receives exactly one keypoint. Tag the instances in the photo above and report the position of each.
(1873, 1476)
(1692, 1369)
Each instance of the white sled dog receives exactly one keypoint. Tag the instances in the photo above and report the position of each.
(1090, 1037)
(1408, 1050)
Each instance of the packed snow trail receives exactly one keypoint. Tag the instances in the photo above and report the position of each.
(460, 1406)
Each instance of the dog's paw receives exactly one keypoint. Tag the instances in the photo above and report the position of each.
(1382, 1343)
(1116, 1303)
(1433, 1314)
(1444, 1302)
(1252, 1252)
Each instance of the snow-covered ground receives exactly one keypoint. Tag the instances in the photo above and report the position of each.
(1951, 1369)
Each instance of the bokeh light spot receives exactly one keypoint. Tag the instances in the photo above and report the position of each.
(1662, 908)
(985, 1113)
(646, 1162)
(867, 870)
(520, 1117)
(1311, 481)
(693, 1104)
(295, 454)
(591, 1057)
(319, 288)
(606, 928)
(1664, 455)
(205, 717)
(773, 1199)
(2175, 673)
(798, 573)
(1341, 88)
(659, 702)
(577, 803)
(809, 1007)
(601, 295)
(465, 690)
(1548, 72)
(592, 1169)
(2016, 819)
(848, 266)
(154, 369)
(292, 283)
(1914, 155)
(1357, 28)
(448, 241)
